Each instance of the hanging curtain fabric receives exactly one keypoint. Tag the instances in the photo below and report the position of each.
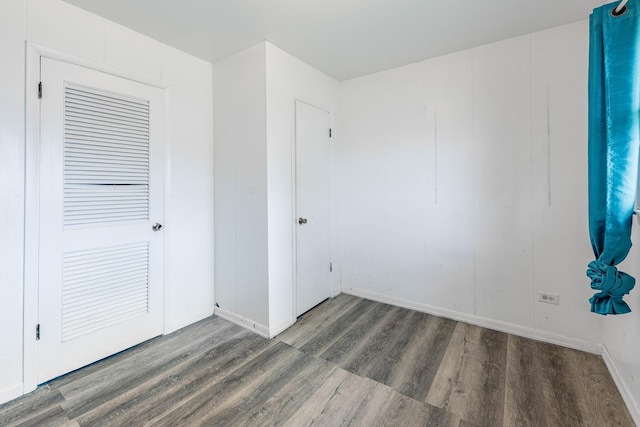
(614, 139)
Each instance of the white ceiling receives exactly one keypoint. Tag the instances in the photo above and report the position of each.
(342, 38)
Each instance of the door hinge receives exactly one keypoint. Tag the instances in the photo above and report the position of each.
(330, 267)
(329, 132)
(40, 90)
(38, 332)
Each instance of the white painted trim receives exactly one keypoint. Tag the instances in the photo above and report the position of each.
(11, 393)
(31, 219)
(168, 325)
(283, 326)
(252, 325)
(627, 396)
(497, 325)
(59, 55)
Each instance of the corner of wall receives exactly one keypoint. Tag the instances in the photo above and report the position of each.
(625, 392)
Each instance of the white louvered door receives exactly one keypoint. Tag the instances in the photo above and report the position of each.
(101, 189)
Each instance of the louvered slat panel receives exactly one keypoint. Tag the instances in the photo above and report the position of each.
(106, 157)
(102, 287)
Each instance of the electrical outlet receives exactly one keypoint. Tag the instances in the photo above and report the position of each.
(549, 298)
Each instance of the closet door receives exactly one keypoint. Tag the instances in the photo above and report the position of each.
(313, 203)
(101, 210)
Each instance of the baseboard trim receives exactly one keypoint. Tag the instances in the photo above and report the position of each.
(626, 394)
(11, 393)
(252, 325)
(510, 328)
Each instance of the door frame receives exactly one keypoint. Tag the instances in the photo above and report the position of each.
(34, 52)
(294, 202)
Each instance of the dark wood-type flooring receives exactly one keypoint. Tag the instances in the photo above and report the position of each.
(349, 361)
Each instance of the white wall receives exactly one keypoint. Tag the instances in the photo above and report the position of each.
(622, 334)
(462, 185)
(189, 213)
(254, 96)
(189, 208)
(241, 252)
(13, 27)
(288, 79)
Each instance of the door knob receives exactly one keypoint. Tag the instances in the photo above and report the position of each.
(156, 226)
(302, 221)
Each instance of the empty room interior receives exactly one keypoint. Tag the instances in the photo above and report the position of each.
(285, 212)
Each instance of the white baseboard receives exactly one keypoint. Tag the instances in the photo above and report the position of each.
(252, 325)
(11, 393)
(627, 396)
(498, 325)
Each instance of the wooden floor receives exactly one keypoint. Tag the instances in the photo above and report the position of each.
(349, 361)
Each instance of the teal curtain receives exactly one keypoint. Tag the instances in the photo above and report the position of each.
(614, 109)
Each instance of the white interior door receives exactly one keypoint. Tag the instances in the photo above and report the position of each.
(101, 189)
(313, 202)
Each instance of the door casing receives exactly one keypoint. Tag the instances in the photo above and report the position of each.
(34, 52)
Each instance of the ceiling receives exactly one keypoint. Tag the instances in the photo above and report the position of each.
(342, 38)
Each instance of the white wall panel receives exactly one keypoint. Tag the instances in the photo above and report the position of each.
(491, 239)
(621, 334)
(241, 186)
(225, 164)
(133, 52)
(190, 272)
(405, 191)
(561, 227)
(450, 181)
(361, 164)
(13, 27)
(61, 26)
(287, 79)
(503, 211)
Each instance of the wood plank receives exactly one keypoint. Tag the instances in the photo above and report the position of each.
(358, 362)
(318, 319)
(108, 372)
(104, 386)
(162, 394)
(323, 339)
(336, 402)
(54, 416)
(414, 372)
(41, 400)
(260, 391)
(598, 399)
(217, 373)
(290, 398)
(524, 400)
(556, 376)
(357, 335)
(202, 327)
(218, 397)
(386, 407)
(382, 365)
(471, 377)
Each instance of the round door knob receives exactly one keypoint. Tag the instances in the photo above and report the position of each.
(156, 226)
(302, 221)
